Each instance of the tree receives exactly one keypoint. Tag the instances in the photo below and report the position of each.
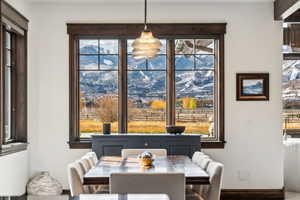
(107, 109)
(193, 104)
(189, 103)
(185, 102)
(158, 105)
(82, 102)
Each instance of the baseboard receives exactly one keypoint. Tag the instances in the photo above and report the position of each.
(252, 194)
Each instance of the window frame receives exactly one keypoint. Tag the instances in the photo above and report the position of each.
(16, 23)
(122, 32)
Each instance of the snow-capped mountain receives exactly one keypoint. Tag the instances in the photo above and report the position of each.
(291, 80)
(140, 83)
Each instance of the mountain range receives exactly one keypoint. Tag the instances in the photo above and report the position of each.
(199, 84)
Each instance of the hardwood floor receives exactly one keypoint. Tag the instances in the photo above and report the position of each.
(292, 196)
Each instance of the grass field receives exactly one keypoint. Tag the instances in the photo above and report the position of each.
(90, 126)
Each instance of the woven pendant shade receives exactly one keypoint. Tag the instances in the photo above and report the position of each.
(146, 46)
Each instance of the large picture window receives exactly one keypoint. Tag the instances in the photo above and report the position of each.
(13, 84)
(184, 85)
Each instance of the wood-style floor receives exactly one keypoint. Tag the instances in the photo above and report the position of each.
(288, 196)
(292, 196)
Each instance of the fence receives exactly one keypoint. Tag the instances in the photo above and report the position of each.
(182, 115)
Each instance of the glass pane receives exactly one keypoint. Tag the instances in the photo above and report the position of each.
(163, 50)
(204, 62)
(108, 62)
(290, 95)
(109, 46)
(98, 101)
(88, 47)
(7, 58)
(7, 40)
(195, 101)
(7, 103)
(134, 64)
(158, 63)
(146, 102)
(184, 46)
(88, 62)
(184, 62)
(204, 46)
(129, 46)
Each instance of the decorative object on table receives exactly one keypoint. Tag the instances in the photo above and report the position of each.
(146, 159)
(106, 128)
(175, 129)
(44, 185)
(252, 87)
(146, 46)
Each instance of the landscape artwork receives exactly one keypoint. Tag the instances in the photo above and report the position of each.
(252, 86)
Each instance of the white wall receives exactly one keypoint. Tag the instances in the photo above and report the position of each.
(13, 174)
(14, 168)
(21, 5)
(253, 44)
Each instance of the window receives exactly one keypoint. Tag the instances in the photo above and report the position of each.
(184, 85)
(290, 95)
(9, 76)
(146, 92)
(194, 80)
(98, 66)
(13, 84)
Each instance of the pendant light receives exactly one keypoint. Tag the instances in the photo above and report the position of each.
(146, 46)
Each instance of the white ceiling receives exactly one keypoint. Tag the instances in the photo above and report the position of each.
(131, 1)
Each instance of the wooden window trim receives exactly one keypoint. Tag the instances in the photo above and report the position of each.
(19, 26)
(119, 31)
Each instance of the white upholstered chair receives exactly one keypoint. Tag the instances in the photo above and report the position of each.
(196, 155)
(93, 155)
(75, 176)
(203, 162)
(212, 191)
(172, 184)
(133, 153)
(85, 164)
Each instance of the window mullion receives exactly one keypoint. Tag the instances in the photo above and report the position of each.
(122, 85)
(171, 97)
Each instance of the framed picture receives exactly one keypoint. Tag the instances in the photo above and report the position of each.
(252, 87)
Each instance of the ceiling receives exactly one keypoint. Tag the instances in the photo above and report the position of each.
(131, 1)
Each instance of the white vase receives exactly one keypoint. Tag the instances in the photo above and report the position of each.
(44, 184)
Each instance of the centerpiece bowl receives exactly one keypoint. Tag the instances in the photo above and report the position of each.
(175, 129)
(146, 159)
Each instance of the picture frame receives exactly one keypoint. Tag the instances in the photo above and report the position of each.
(252, 86)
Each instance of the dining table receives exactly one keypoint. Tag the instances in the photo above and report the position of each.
(107, 165)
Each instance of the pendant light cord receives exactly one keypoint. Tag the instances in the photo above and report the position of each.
(145, 19)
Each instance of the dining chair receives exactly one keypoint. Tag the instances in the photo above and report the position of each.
(129, 153)
(200, 159)
(94, 156)
(75, 177)
(85, 164)
(196, 155)
(212, 191)
(203, 162)
(91, 160)
(172, 184)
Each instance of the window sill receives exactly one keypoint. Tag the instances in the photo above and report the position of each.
(12, 148)
(87, 144)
